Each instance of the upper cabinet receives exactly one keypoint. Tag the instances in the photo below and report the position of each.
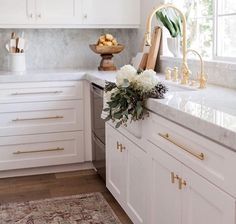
(123, 13)
(70, 13)
(58, 12)
(13, 13)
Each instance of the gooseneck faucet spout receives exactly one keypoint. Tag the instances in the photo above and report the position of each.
(185, 69)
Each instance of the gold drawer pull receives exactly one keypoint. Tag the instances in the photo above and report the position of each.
(120, 147)
(200, 156)
(37, 118)
(37, 151)
(173, 177)
(36, 93)
(182, 183)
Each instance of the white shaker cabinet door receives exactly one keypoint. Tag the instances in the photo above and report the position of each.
(58, 12)
(17, 12)
(166, 198)
(137, 183)
(204, 203)
(118, 13)
(115, 164)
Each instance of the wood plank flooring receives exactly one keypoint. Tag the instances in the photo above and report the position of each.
(37, 187)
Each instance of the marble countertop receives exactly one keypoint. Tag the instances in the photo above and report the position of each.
(210, 112)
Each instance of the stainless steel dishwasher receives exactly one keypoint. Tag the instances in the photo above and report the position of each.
(98, 131)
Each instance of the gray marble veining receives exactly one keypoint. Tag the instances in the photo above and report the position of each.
(66, 48)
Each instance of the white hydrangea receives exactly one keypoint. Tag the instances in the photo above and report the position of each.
(127, 72)
(146, 80)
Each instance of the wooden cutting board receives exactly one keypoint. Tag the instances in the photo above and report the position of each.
(154, 49)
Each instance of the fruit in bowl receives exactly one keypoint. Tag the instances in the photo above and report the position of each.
(106, 46)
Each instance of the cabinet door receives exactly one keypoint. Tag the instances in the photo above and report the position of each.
(204, 203)
(57, 12)
(115, 164)
(123, 13)
(166, 198)
(16, 12)
(137, 183)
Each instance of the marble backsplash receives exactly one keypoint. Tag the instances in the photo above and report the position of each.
(66, 48)
(218, 73)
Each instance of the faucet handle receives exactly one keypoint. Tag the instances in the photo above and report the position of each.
(175, 74)
(185, 75)
(202, 81)
(168, 73)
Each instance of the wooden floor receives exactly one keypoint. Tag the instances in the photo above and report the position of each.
(57, 185)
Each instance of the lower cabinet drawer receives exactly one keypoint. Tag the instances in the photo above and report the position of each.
(41, 117)
(209, 159)
(41, 150)
(40, 91)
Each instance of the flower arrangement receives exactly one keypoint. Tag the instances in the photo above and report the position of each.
(126, 99)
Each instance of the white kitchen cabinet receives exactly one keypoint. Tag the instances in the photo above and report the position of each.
(173, 175)
(191, 199)
(204, 203)
(112, 12)
(58, 12)
(127, 174)
(166, 199)
(41, 117)
(69, 13)
(41, 124)
(116, 162)
(16, 12)
(137, 177)
(40, 150)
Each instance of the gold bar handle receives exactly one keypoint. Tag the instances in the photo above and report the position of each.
(173, 177)
(37, 118)
(200, 156)
(36, 93)
(38, 151)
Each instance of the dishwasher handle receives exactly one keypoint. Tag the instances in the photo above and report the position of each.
(97, 90)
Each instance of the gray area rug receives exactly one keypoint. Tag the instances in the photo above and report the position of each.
(77, 209)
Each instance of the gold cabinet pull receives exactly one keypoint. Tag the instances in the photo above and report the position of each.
(36, 93)
(173, 177)
(37, 151)
(182, 183)
(120, 147)
(200, 156)
(37, 118)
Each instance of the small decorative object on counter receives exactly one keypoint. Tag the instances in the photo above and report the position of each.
(16, 50)
(125, 100)
(106, 46)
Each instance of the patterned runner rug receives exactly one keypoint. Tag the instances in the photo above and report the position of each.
(78, 209)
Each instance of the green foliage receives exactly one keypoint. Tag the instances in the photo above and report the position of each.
(128, 103)
(171, 21)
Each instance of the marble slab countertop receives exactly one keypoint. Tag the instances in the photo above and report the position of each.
(210, 112)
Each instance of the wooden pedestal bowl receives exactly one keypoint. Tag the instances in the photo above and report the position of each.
(106, 53)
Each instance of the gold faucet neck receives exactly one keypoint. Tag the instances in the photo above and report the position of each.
(184, 24)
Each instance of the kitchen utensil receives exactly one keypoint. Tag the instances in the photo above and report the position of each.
(106, 53)
(12, 43)
(7, 47)
(154, 49)
(21, 43)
